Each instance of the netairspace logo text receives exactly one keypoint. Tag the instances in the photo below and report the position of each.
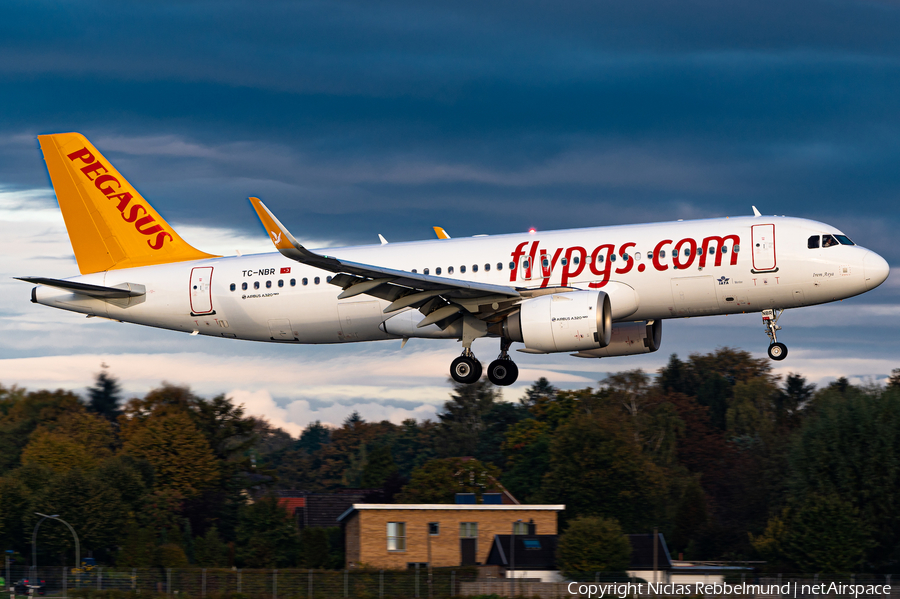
(630, 589)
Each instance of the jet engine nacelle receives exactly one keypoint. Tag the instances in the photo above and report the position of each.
(628, 339)
(575, 321)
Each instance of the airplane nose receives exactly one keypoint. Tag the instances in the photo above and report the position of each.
(876, 270)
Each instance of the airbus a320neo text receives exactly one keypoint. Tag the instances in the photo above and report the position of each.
(593, 292)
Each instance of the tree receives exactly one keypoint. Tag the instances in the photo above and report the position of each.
(138, 549)
(462, 418)
(894, 379)
(438, 481)
(180, 455)
(598, 469)
(267, 535)
(592, 544)
(210, 550)
(105, 395)
(823, 534)
(850, 449)
(379, 468)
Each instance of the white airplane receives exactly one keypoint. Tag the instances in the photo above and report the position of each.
(594, 292)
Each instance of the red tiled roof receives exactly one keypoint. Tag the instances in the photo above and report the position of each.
(292, 503)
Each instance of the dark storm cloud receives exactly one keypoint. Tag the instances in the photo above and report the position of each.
(360, 118)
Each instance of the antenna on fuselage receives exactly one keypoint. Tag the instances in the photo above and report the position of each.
(755, 211)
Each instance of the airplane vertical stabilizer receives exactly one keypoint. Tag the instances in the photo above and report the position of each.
(110, 224)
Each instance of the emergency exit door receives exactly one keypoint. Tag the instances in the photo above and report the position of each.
(201, 290)
(763, 240)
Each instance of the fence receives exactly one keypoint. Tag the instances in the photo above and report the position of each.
(58, 582)
(261, 584)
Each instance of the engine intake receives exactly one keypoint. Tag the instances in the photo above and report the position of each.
(576, 321)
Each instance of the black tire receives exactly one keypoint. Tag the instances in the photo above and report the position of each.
(778, 351)
(465, 370)
(503, 372)
(479, 370)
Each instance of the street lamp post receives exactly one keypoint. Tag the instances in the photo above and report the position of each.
(34, 540)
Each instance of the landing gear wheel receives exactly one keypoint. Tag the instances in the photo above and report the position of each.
(778, 351)
(465, 370)
(503, 372)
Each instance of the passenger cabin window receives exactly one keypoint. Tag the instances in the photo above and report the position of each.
(316, 280)
(813, 242)
(462, 269)
(437, 270)
(449, 270)
(425, 271)
(268, 284)
(328, 279)
(256, 284)
(233, 286)
(414, 270)
(829, 241)
(487, 267)
(280, 283)
(244, 286)
(305, 281)
(293, 282)
(575, 260)
(474, 268)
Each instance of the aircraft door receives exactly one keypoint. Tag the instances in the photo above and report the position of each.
(763, 240)
(201, 291)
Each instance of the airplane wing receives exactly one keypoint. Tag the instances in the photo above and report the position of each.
(439, 298)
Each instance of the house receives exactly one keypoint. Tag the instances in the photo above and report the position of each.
(527, 555)
(320, 510)
(443, 535)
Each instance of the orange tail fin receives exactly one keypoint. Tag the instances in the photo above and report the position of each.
(110, 224)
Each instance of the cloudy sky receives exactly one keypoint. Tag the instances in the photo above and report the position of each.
(354, 119)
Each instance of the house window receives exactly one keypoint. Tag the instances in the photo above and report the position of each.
(396, 536)
(434, 528)
(520, 528)
(468, 530)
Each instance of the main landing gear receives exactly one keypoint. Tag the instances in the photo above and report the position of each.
(466, 369)
(777, 351)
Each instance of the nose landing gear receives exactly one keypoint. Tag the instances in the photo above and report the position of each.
(777, 351)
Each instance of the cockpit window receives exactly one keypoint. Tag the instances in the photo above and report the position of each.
(813, 242)
(829, 241)
(844, 240)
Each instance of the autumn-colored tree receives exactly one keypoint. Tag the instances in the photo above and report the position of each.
(180, 455)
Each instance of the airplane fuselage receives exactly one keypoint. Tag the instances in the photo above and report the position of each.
(651, 272)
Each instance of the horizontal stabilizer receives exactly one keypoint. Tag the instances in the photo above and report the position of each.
(98, 291)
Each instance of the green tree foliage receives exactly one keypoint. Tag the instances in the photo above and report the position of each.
(138, 549)
(210, 550)
(438, 481)
(105, 396)
(850, 449)
(322, 548)
(267, 535)
(462, 419)
(823, 534)
(90, 504)
(170, 555)
(379, 468)
(23, 413)
(592, 544)
(597, 468)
